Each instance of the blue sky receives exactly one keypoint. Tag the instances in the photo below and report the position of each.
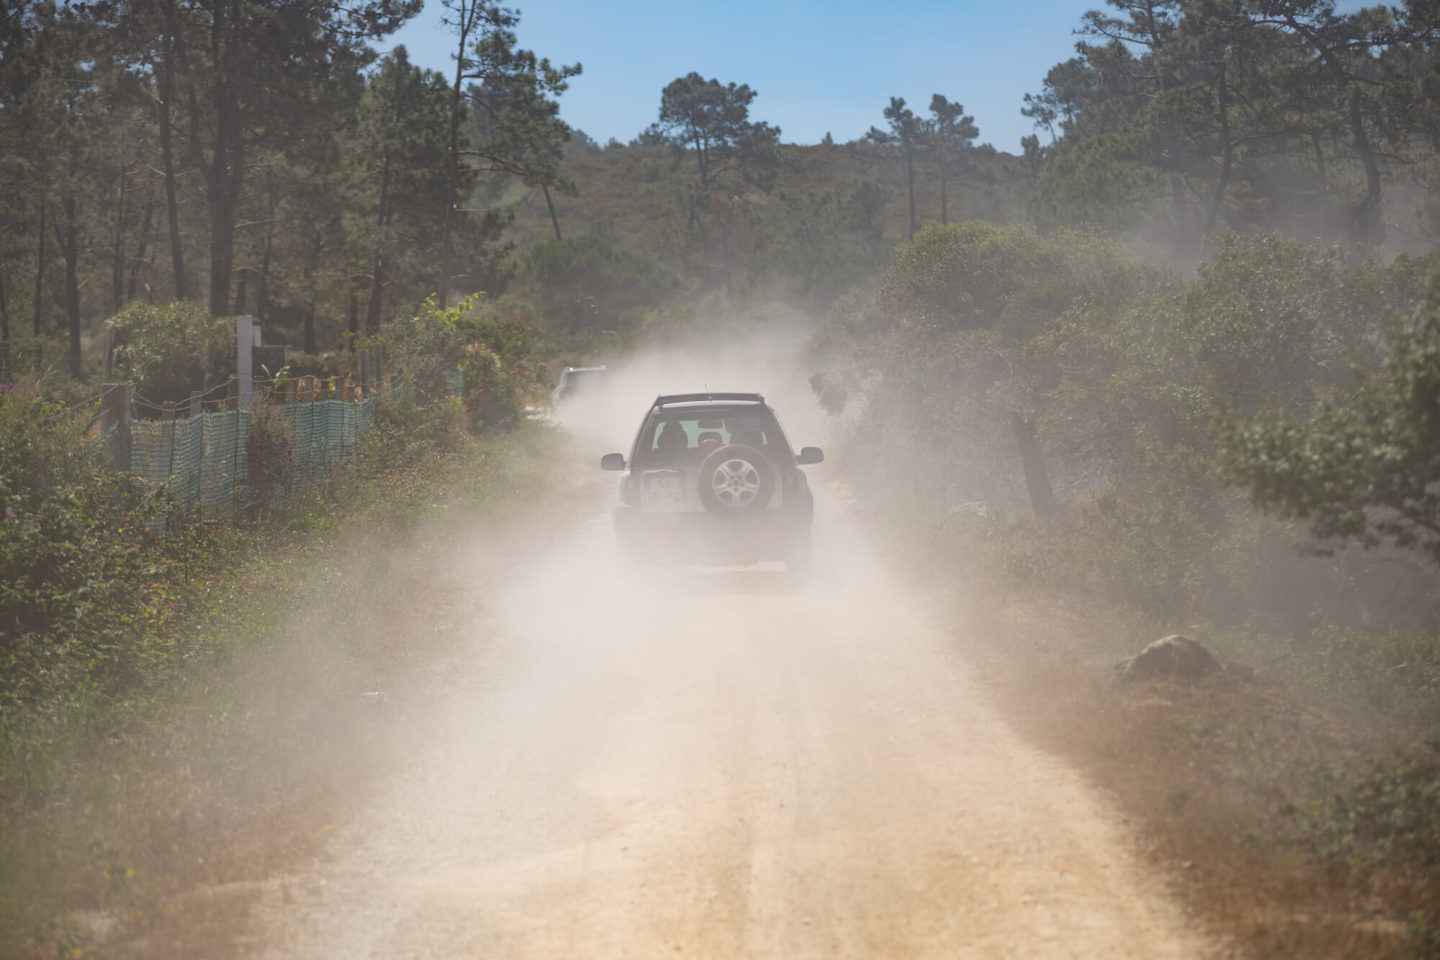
(816, 67)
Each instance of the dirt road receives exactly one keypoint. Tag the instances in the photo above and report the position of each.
(708, 765)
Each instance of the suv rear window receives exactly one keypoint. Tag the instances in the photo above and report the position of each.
(686, 435)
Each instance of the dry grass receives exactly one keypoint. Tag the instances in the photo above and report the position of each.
(1277, 822)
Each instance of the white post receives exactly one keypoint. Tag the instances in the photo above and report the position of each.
(247, 338)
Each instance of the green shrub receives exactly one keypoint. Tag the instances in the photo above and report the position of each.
(495, 351)
(66, 524)
(1389, 816)
(168, 351)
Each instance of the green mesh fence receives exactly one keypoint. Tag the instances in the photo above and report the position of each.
(203, 458)
(325, 433)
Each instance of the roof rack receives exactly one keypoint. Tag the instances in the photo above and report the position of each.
(693, 397)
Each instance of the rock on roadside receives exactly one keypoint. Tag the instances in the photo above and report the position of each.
(1174, 657)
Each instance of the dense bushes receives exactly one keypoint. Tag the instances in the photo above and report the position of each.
(88, 590)
(586, 284)
(168, 351)
(82, 572)
(984, 339)
(73, 549)
(960, 373)
(492, 345)
(170, 705)
(974, 277)
(1366, 465)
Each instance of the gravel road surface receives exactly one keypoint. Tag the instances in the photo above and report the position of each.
(712, 764)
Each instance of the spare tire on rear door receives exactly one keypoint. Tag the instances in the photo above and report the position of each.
(736, 480)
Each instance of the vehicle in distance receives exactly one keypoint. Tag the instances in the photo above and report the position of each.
(711, 479)
(576, 383)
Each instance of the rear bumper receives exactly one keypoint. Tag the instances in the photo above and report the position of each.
(709, 538)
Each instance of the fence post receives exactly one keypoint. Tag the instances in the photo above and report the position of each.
(247, 338)
(379, 365)
(197, 408)
(364, 373)
(232, 393)
(170, 416)
(237, 450)
(115, 411)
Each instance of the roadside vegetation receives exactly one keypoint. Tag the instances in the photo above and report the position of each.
(177, 710)
(1243, 457)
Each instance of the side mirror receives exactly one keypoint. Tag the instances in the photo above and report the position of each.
(810, 455)
(612, 461)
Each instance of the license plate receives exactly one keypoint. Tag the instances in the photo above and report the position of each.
(664, 489)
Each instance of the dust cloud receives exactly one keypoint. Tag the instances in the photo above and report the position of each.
(606, 421)
(709, 762)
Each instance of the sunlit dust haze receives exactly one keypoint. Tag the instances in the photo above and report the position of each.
(712, 762)
(772, 366)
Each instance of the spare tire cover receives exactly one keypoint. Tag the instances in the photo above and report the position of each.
(736, 479)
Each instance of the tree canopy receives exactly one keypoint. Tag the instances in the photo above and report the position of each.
(713, 120)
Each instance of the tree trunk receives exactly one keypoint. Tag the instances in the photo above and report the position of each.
(262, 296)
(1177, 203)
(224, 198)
(1365, 217)
(312, 260)
(452, 160)
(226, 170)
(377, 278)
(377, 284)
(132, 283)
(1037, 477)
(40, 268)
(70, 245)
(165, 77)
(703, 160)
(307, 342)
(117, 252)
(554, 220)
(1181, 239)
(1227, 159)
(1365, 229)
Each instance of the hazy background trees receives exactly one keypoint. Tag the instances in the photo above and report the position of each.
(1192, 117)
(256, 155)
